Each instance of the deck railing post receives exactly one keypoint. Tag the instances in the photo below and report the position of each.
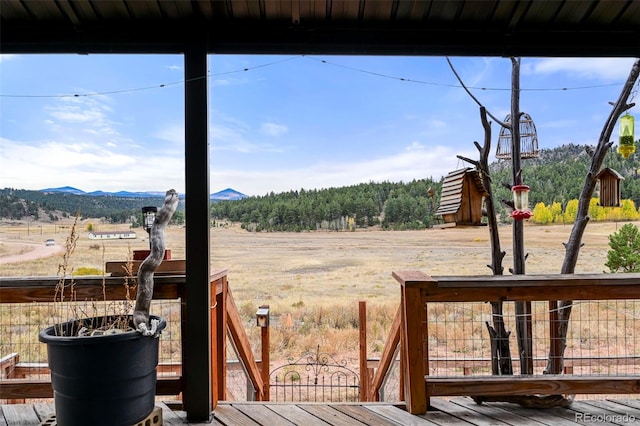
(221, 338)
(266, 361)
(555, 342)
(414, 320)
(364, 375)
(214, 343)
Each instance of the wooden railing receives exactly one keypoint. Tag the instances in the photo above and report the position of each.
(172, 287)
(412, 334)
(228, 318)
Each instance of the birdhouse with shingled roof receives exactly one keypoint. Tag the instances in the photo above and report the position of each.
(462, 198)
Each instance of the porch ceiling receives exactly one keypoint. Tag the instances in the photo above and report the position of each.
(387, 27)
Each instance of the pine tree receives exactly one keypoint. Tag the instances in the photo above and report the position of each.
(625, 250)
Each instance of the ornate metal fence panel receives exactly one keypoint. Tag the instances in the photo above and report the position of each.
(315, 377)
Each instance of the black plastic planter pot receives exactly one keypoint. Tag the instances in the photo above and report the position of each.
(107, 380)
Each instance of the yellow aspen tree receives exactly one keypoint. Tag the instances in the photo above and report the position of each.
(629, 210)
(542, 214)
(556, 212)
(596, 211)
(570, 211)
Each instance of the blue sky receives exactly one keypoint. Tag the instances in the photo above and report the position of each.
(279, 123)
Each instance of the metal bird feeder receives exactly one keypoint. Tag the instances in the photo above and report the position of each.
(627, 145)
(521, 202)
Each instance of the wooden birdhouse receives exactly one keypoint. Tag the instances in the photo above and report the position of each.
(461, 198)
(610, 187)
(528, 139)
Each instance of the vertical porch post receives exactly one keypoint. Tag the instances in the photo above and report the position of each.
(196, 359)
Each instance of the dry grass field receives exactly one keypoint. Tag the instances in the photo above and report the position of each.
(317, 268)
(314, 280)
(323, 268)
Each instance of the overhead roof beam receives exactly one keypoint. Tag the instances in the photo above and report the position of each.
(320, 38)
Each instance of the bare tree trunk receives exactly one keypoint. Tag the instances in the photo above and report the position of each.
(522, 309)
(498, 335)
(560, 327)
(151, 263)
(500, 352)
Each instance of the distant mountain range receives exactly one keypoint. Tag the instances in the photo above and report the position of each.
(224, 195)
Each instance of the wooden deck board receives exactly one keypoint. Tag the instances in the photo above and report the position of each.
(464, 413)
(549, 416)
(20, 414)
(443, 419)
(44, 410)
(399, 415)
(617, 408)
(455, 411)
(634, 403)
(231, 416)
(330, 415)
(498, 413)
(297, 415)
(585, 407)
(263, 414)
(173, 418)
(364, 415)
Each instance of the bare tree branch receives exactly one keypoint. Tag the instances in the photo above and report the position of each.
(500, 122)
(573, 245)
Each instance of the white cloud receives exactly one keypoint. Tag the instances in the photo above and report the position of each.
(75, 115)
(272, 129)
(219, 81)
(172, 133)
(437, 123)
(474, 72)
(7, 57)
(87, 166)
(414, 161)
(233, 135)
(607, 69)
(558, 124)
(84, 147)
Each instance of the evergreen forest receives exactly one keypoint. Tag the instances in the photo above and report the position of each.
(20, 204)
(556, 178)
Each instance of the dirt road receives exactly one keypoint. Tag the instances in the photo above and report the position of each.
(35, 251)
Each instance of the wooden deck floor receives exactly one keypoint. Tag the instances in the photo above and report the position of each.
(456, 411)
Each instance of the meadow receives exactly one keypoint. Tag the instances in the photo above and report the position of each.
(314, 280)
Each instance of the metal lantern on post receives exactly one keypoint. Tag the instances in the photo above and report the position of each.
(627, 145)
(148, 217)
(262, 316)
(520, 202)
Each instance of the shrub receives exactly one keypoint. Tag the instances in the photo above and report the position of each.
(83, 270)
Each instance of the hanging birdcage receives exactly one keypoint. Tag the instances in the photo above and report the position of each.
(528, 139)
